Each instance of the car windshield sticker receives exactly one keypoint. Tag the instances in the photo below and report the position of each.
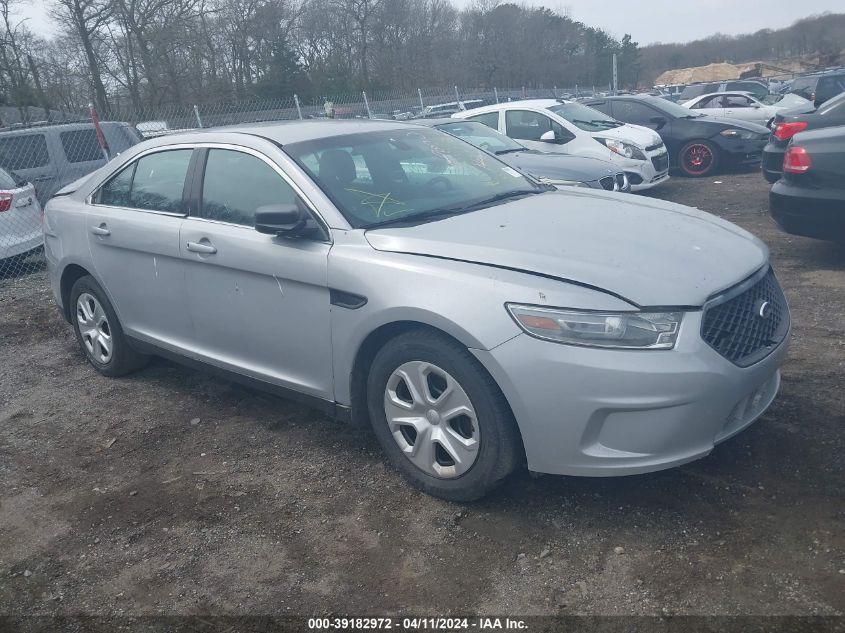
(380, 203)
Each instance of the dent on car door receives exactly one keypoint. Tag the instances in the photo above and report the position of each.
(133, 232)
(259, 303)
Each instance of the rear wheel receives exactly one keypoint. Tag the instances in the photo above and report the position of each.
(98, 330)
(441, 419)
(698, 158)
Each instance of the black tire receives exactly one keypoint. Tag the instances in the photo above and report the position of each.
(695, 151)
(123, 359)
(500, 447)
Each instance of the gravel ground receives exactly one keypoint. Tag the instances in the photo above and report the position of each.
(173, 492)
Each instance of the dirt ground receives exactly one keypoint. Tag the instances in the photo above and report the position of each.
(173, 492)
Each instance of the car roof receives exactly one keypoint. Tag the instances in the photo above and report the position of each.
(727, 93)
(287, 132)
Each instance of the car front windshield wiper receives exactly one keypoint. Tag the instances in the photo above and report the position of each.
(424, 216)
(604, 122)
(499, 152)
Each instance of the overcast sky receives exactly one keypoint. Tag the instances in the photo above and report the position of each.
(646, 20)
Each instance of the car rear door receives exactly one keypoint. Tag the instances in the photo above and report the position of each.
(260, 303)
(32, 156)
(133, 226)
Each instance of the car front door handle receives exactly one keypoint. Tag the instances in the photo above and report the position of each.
(202, 247)
(101, 230)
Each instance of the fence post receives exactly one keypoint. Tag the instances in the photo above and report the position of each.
(367, 105)
(554, 91)
(422, 105)
(458, 100)
(197, 114)
(523, 92)
(496, 94)
(298, 108)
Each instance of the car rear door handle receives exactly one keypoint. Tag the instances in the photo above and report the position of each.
(202, 247)
(101, 230)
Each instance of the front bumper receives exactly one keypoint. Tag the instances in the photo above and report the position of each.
(645, 174)
(594, 412)
(818, 213)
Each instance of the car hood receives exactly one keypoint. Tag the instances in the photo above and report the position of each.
(558, 166)
(639, 135)
(649, 252)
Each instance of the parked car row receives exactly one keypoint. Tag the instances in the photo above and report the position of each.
(805, 159)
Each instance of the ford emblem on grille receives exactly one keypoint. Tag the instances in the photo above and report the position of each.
(763, 309)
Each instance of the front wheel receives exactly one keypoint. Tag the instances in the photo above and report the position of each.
(439, 416)
(98, 331)
(698, 159)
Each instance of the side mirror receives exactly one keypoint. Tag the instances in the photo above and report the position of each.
(548, 137)
(659, 121)
(280, 219)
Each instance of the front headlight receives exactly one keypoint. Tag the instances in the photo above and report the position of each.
(562, 183)
(618, 330)
(743, 134)
(623, 148)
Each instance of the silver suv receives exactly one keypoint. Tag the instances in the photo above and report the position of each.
(389, 272)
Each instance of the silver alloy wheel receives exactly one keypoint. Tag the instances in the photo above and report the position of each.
(432, 419)
(94, 327)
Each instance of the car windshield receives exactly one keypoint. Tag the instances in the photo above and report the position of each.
(584, 117)
(673, 109)
(481, 136)
(406, 175)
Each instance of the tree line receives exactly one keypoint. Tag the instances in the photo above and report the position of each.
(146, 53)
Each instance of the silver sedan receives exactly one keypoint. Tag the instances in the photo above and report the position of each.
(393, 275)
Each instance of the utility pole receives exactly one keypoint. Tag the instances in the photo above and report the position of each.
(615, 77)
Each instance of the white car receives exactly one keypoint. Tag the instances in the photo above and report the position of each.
(572, 128)
(20, 217)
(735, 105)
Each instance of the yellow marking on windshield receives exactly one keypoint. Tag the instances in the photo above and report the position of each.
(377, 202)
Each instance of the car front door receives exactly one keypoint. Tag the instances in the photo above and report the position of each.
(260, 303)
(133, 234)
(528, 127)
(740, 107)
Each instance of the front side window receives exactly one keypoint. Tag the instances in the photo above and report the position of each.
(709, 103)
(633, 112)
(23, 151)
(737, 101)
(584, 117)
(235, 184)
(406, 174)
(152, 183)
(530, 126)
(81, 146)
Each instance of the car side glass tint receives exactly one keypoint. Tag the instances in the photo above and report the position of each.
(159, 181)
(490, 119)
(235, 184)
(116, 192)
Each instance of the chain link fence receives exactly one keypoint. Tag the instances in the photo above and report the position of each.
(41, 152)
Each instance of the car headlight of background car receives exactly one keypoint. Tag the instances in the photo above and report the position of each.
(619, 330)
(733, 133)
(623, 148)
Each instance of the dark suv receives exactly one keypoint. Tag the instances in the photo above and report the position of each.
(820, 87)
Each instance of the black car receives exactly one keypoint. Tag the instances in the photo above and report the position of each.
(547, 167)
(697, 144)
(788, 124)
(819, 87)
(809, 199)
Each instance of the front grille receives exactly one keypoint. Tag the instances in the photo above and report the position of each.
(734, 326)
(661, 163)
(607, 183)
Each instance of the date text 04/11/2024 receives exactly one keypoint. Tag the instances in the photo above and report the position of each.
(417, 624)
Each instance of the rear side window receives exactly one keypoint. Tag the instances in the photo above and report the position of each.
(152, 183)
(490, 119)
(23, 151)
(235, 184)
(804, 87)
(829, 87)
(81, 146)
